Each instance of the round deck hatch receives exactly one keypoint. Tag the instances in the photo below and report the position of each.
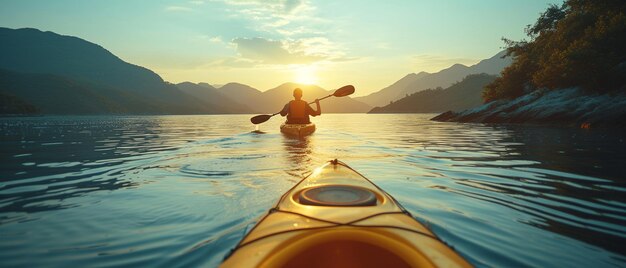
(337, 195)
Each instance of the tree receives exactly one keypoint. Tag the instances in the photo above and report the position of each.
(581, 43)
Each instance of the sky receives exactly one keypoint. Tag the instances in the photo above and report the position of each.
(369, 44)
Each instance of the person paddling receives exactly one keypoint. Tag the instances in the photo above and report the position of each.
(298, 111)
(340, 92)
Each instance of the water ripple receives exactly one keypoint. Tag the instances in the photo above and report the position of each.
(182, 190)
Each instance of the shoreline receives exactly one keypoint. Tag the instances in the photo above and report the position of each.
(565, 107)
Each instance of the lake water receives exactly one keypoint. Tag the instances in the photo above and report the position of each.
(181, 190)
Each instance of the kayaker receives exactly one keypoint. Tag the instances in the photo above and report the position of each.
(298, 111)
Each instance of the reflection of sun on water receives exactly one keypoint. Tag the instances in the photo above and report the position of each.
(305, 75)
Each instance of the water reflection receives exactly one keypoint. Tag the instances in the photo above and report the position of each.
(548, 184)
(49, 192)
(46, 162)
(298, 155)
(182, 190)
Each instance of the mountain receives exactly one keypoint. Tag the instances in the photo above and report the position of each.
(389, 91)
(37, 68)
(460, 96)
(571, 71)
(67, 75)
(33, 51)
(53, 94)
(245, 95)
(274, 99)
(213, 98)
(443, 78)
(493, 65)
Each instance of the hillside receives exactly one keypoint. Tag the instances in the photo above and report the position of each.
(40, 67)
(444, 78)
(12, 105)
(213, 98)
(581, 43)
(572, 71)
(53, 94)
(33, 51)
(244, 95)
(387, 94)
(463, 95)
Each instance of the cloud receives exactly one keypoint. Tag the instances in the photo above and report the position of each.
(382, 45)
(177, 9)
(284, 6)
(276, 16)
(197, 2)
(231, 63)
(291, 5)
(273, 52)
(216, 39)
(288, 32)
(321, 46)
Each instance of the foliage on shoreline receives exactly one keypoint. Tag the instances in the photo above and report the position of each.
(581, 43)
(12, 105)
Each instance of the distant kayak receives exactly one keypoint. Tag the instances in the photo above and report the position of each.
(297, 130)
(335, 217)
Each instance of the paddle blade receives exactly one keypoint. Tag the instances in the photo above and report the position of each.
(344, 91)
(260, 118)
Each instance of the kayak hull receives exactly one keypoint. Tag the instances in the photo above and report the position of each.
(297, 130)
(333, 234)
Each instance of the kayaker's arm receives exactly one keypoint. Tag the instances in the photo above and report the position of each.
(319, 108)
(314, 112)
(285, 110)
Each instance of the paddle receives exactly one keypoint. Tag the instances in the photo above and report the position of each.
(341, 92)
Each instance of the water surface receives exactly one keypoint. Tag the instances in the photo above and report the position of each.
(181, 190)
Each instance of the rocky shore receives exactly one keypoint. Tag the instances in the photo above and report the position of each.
(565, 107)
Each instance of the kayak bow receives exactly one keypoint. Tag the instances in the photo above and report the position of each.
(336, 217)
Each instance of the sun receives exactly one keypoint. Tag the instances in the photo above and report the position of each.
(305, 75)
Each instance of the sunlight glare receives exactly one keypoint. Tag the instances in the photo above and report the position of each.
(306, 75)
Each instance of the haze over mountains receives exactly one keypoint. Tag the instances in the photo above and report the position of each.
(272, 100)
(55, 74)
(416, 82)
(460, 96)
(67, 75)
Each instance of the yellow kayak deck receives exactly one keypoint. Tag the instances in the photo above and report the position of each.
(297, 130)
(374, 232)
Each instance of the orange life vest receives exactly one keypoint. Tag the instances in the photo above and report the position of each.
(297, 109)
(297, 112)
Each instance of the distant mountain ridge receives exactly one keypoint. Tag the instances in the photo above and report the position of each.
(57, 74)
(245, 95)
(273, 100)
(67, 75)
(388, 93)
(33, 51)
(444, 78)
(460, 96)
(213, 97)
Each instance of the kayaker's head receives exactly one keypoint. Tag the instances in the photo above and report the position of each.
(297, 93)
